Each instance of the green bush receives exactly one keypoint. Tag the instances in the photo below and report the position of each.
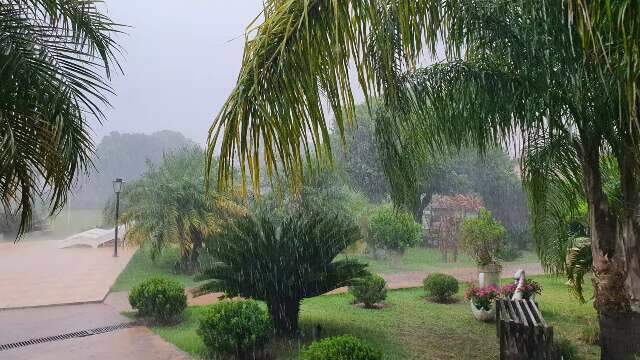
(239, 328)
(440, 287)
(369, 290)
(344, 347)
(482, 238)
(283, 261)
(590, 334)
(566, 349)
(393, 230)
(159, 298)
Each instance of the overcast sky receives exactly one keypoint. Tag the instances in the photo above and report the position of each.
(181, 61)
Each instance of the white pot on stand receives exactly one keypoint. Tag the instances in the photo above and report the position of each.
(489, 275)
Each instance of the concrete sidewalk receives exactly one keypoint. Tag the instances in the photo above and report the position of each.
(37, 273)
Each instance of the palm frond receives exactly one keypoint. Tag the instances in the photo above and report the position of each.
(579, 263)
(55, 61)
(301, 54)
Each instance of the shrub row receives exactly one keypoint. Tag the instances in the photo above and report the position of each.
(241, 329)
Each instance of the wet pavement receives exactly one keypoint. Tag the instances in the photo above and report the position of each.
(37, 273)
(131, 343)
(137, 343)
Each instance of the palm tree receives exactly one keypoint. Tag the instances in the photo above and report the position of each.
(169, 206)
(56, 57)
(514, 85)
(525, 78)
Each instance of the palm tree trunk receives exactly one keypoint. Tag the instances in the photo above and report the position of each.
(284, 314)
(616, 254)
(197, 240)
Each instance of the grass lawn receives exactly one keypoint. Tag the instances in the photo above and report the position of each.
(427, 259)
(417, 259)
(141, 267)
(411, 327)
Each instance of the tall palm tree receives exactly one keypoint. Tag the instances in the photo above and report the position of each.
(525, 77)
(56, 57)
(515, 85)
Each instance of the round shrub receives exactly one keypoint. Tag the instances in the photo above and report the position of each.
(393, 230)
(158, 298)
(370, 290)
(236, 328)
(344, 347)
(440, 287)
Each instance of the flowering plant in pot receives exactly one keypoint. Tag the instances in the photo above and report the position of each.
(529, 290)
(481, 239)
(481, 299)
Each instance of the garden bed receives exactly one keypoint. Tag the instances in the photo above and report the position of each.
(410, 328)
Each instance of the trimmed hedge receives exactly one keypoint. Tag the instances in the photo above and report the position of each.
(159, 298)
(238, 328)
(370, 290)
(393, 230)
(344, 347)
(440, 287)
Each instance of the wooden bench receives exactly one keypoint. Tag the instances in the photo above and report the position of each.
(523, 333)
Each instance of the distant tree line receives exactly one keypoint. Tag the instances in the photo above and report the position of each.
(122, 155)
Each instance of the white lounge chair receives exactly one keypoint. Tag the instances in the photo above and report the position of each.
(92, 238)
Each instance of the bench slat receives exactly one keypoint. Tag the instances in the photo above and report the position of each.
(523, 334)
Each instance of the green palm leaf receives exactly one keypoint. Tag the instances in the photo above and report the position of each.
(55, 61)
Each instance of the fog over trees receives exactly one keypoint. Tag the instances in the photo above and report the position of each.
(122, 156)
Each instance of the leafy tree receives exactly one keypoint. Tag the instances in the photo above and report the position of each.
(394, 230)
(524, 79)
(283, 261)
(359, 158)
(56, 58)
(490, 175)
(482, 238)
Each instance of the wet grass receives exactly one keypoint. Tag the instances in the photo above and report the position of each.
(141, 267)
(417, 259)
(426, 259)
(410, 327)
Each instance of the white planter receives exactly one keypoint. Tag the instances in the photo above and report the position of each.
(489, 275)
(481, 314)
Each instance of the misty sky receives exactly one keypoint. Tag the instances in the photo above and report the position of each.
(181, 61)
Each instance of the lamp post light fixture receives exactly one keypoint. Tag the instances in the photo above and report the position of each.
(117, 188)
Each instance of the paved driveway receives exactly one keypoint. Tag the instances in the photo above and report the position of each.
(37, 273)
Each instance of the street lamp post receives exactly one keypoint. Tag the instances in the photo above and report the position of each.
(117, 188)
